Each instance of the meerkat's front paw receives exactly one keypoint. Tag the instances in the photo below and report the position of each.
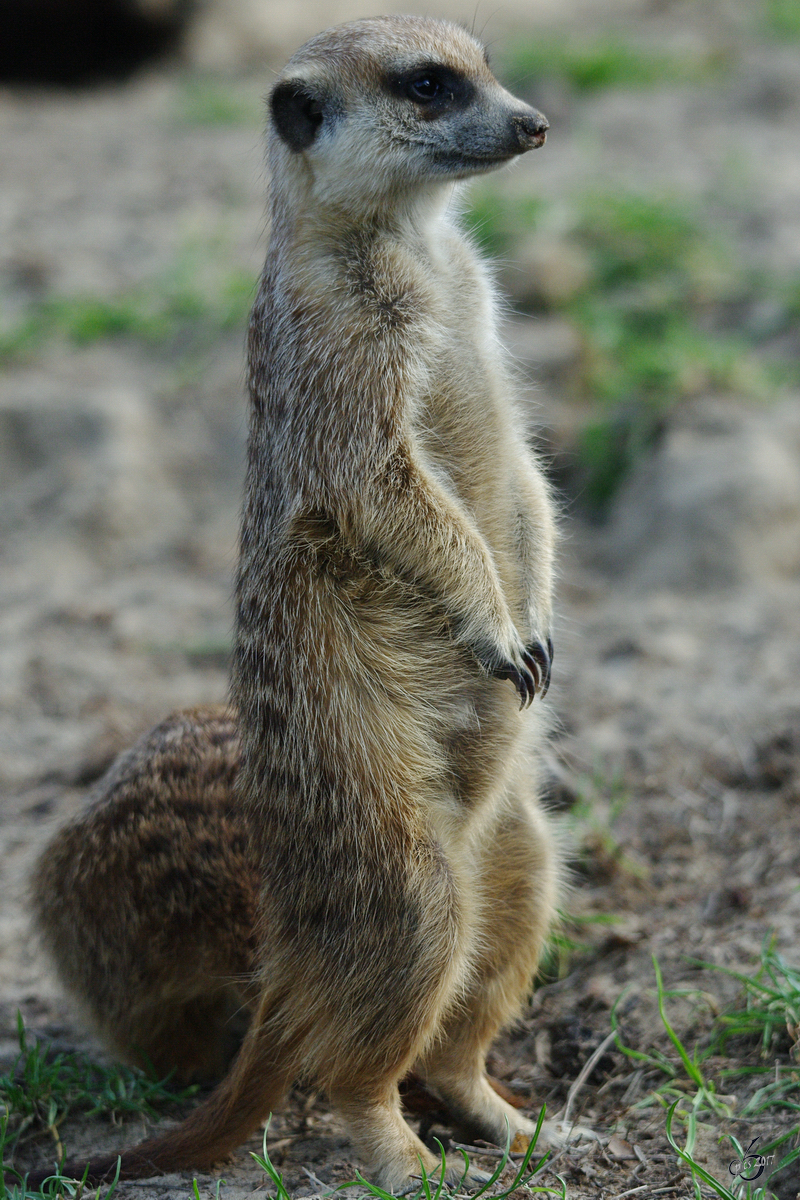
(513, 662)
(524, 674)
(456, 1175)
(556, 1134)
(509, 659)
(528, 668)
(543, 657)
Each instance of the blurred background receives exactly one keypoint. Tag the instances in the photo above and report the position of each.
(650, 256)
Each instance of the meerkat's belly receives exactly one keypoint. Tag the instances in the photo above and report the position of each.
(405, 705)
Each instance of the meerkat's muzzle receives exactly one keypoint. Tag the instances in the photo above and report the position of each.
(530, 129)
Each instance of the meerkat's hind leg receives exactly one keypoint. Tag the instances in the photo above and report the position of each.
(517, 877)
(395, 1156)
(147, 900)
(458, 1073)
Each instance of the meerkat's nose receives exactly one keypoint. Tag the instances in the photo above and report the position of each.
(530, 128)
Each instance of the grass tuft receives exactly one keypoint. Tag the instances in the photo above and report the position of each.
(593, 66)
(195, 299)
(654, 306)
(771, 1012)
(690, 1096)
(782, 18)
(14, 1185)
(42, 1089)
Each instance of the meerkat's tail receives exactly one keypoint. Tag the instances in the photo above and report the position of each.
(255, 1085)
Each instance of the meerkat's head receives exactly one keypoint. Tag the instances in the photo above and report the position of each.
(372, 110)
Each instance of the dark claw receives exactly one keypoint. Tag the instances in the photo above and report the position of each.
(523, 680)
(544, 660)
(532, 663)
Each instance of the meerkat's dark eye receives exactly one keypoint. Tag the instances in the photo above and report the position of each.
(425, 88)
(434, 87)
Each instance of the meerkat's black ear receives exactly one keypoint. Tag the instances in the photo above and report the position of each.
(297, 114)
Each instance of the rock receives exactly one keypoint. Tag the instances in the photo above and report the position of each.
(717, 504)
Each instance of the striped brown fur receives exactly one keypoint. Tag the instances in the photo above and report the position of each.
(353, 857)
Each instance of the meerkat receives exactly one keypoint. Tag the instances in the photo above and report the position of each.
(349, 869)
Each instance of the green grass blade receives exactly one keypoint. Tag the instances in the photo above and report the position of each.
(114, 1181)
(698, 1172)
(523, 1174)
(443, 1172)
(266, 1165)
(373, 1188)
(426, 1185)
(500, 1167)
(692, 1070)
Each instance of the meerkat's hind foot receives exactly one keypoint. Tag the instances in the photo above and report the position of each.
(459, 1171)
(510, 1129)
(548, 1135)
(556, 1134)
(395, 1158)
(456, 1175)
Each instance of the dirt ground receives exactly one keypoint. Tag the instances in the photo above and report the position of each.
(675, 757)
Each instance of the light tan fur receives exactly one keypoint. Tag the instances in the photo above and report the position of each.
(354, 856)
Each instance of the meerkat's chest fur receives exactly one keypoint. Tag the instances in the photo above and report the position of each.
(418, 307)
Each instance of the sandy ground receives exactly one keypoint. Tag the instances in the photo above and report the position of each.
(678, 632)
